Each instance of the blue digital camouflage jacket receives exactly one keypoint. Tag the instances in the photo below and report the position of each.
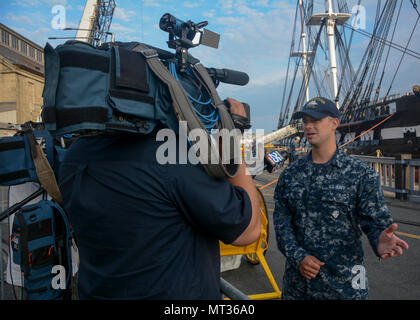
(321, 210)
(294, 155)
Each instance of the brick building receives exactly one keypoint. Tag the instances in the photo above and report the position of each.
(21, 85)
(21, 77)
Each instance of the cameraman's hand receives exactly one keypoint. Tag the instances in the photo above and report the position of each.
(236, 107)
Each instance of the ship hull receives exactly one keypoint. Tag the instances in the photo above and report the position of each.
(397, 134)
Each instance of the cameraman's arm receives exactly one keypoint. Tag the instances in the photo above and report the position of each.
(244, 180)
(252, 232)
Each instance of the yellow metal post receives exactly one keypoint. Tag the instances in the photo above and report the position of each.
(255, 254)
(378, 155)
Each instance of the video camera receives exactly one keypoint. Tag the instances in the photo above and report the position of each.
(186, 35)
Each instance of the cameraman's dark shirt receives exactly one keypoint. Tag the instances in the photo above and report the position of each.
(145, 230)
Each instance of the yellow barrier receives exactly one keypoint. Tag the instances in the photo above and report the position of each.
(378, 155)
(255, 252)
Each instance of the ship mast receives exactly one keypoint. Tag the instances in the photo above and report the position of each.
(96, 21)
(331, 19)
(304, 54)
(86, 25)
(331, 48)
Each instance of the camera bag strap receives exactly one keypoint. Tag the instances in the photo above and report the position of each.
(43, 169)
(185, 112)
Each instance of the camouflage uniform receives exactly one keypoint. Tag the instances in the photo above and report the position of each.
(320, 210)
(294, 155)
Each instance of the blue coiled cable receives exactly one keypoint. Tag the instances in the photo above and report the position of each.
(208, 120)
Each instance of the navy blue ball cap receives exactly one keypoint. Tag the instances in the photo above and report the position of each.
(318, 108)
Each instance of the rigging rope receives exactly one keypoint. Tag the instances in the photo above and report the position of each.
(387, 56)
(280, 123)
(402, 57)
(350, 106)
(311, 61)
(395, 46)
(385, 27)
(415, 6)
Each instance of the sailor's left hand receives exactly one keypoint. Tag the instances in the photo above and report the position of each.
(389, 245)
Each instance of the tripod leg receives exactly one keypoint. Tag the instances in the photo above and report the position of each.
(8, 212)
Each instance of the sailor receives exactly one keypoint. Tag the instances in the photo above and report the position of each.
(416, 90)
(323, 202)
(295, 149)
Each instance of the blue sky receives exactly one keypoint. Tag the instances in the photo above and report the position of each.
(255, 38)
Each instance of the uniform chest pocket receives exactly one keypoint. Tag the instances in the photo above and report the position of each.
(336, 214)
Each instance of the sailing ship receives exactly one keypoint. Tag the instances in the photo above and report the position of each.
(372, 119)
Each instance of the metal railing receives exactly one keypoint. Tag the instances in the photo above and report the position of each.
(414, 182)
(398, 175)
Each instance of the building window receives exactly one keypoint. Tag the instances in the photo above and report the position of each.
(32, 52)
(38, 55)
(24, 47)
(5, 37)
(15, 43)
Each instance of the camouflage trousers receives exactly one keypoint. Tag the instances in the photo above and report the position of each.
(323, 287)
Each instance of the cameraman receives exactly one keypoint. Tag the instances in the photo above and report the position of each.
(151, 231)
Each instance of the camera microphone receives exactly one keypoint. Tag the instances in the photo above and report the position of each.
(229, 76)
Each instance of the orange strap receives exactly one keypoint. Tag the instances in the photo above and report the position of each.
(367, 130)
(268, 184)
(342, 144)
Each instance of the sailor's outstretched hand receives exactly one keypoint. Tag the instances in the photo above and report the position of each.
(389, 245)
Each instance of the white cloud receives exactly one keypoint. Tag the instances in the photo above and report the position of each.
(21, 19)
(123, 14)
(273, 79)
(243, 9)
(209, 14)
(260, 3)
(229, 21)
(189, 4)
(151, 3)
(26, 3)
(119, 27)
(225, 4)
(55, 2)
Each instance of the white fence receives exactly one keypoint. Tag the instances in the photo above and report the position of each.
(400, 176)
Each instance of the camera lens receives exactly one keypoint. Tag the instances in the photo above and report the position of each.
(167, 22)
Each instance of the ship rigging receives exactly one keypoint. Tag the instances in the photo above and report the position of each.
(356, 91)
